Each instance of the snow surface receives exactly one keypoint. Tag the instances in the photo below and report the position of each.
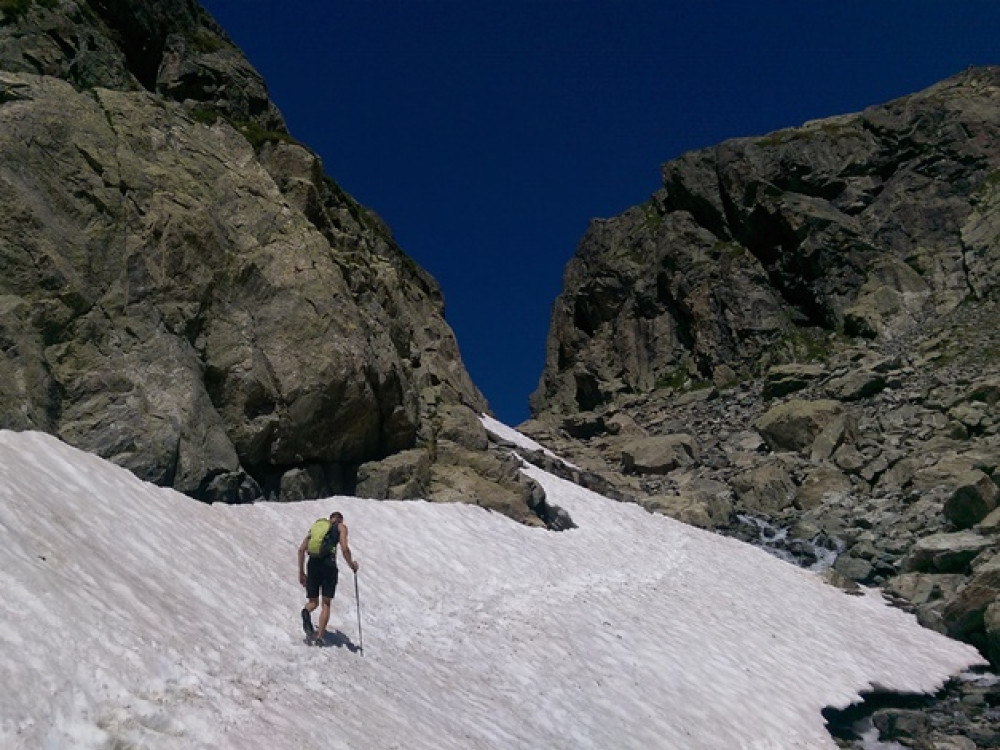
(510, 435)
(133, 616)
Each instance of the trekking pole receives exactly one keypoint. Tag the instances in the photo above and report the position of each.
(357, 601)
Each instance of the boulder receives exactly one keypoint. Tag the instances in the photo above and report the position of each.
(795, 425)
(658, 454)
(305, 483)
(941, 741)
(856, 385)
(946, 553)
(584, 425)
(821, 484)
(975, 496)
(854, 568)
(975, 417)
(455, 483)
(963, 615)
(942, 470)
(461, 425)
(985, 390)
(921, 588)
(991, 625)
(892, 297)
(766, 489)
(704, 512)
(492, 480)
(901, 724)
(782, 380)
(724, 376)
(403, 476)
(621, 423)
(990, 526)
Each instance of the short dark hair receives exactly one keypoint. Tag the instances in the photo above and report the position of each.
(337, 516)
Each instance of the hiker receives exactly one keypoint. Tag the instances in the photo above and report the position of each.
(320, 574)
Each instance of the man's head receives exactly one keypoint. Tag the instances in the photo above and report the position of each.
(337, 516)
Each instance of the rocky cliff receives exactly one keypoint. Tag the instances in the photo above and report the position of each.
(756, 250)
(186, 293)
(794, 341)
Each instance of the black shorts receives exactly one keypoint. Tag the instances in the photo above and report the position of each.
(321, 575)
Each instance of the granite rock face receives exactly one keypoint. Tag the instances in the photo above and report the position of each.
(185, 292)
(753, 251)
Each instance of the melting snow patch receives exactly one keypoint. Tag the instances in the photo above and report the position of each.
(133, 615)
(510, 435)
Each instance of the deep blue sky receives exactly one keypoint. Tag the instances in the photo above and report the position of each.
(487, 133)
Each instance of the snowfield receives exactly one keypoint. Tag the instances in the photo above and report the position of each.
(133, 616)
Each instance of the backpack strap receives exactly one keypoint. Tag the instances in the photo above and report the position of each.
(329, 545)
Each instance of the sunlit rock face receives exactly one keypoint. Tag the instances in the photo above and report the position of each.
(754, 250)
(184, 291)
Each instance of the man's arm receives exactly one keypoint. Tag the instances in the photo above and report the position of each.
(345, 548)
(302, 560)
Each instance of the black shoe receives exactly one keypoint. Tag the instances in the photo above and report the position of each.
(307, 623)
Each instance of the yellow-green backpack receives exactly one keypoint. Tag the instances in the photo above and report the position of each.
(323, 538)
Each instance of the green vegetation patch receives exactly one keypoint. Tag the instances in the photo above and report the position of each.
(207, 42)
(728, 250)
(258, 136)
(991, 183)
(680, 380)
(804, 344)
(652, 216)
(809, 345)
(13, 10)
(205, 115)
(833, 129)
